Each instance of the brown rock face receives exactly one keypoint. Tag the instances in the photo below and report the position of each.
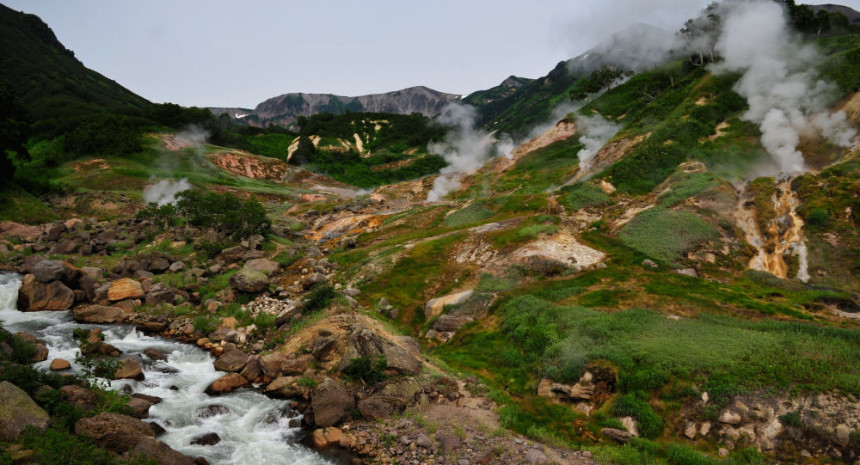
(325, 437)
(59, 364)
(80, 397)
(125, 288)
(98, 314)
(160, 452)
(34, 296)
(129, 368)
(227, 383)
(114, 431)
(231, 360)
(332, 403)
(17, 412)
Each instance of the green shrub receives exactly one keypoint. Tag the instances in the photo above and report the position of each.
(679, 454)
(367, 369)
(791, 419)
(583, 194)
(319, 298)
(225, 212)
(818, 219)
(644, 379)
(666, 234)
(634, 405)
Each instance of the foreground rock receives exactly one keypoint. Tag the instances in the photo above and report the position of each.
(99, 314)
(35, 296)
(332, 403)
(227, 383)
(119, 433)
(160, 452)
(248, 280)
(18, 411)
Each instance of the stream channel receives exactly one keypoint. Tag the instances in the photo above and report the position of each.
(254, 429)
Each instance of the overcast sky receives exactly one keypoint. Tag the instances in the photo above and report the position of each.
(238, 53)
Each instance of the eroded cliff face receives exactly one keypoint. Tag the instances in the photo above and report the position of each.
(284, 109)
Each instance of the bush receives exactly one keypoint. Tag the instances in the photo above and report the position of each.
(367, 369)
(319, 298)
(225, 212)
(644, 379)
(818, 219)
(634, 405)
(583, 194)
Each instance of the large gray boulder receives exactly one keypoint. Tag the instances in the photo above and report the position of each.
(332, 403)
(263, 265)
(18, 411)
(114, 431)
(48, 270)
(248, 280)
(34, 295)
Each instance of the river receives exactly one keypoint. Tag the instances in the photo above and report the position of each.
(253, 428)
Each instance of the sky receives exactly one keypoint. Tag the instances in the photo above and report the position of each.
(232, 53)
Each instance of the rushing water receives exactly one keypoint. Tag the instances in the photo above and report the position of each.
(255, 429)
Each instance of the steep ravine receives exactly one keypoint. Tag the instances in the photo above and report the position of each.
(252, 428)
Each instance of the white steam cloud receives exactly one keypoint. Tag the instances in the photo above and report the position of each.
(786, 97)
(595, 132)
(465, 148)
(164, 192)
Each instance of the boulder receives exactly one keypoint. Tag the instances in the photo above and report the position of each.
(58, 364)
(159, 265)
(18, 411)
(35, 296)
(450, 323)
(157, 296)
(227, 383)
(450, 442)
(176, 267)
(53, 231)
(41, 352)
(207, 439)
(98, 314)
(617, 435)
(332, 403)
(160, 452)
(119, 433)
(297, 365)
(125, 288)
(263, 265)
(434, 307)
(287, 387)
(129, 368)
(271, 364)
(139, 407)
(534, 456)
(252, 369)
(232, 360)
(48, 270)
(365, 343)
(325, 437)
(395, 396)
(155, 354)
(80, 397)
(248, 280)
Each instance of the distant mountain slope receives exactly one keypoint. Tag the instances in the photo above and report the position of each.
(47, 77)
(284, 109)
(850, 13)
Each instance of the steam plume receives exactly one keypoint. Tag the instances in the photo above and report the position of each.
(164, 192)
(596, 132)
(465, 148)
(786, 98)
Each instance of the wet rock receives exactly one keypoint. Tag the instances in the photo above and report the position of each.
(151, 399)
(154, 354)
(129, 368)
(99, 314)
(332, 403)
(212, 410)
(139, 407)
(18, 412)
(227, 383)
(119, 433)
(58, 364)
(160, 452)
(232, 360)
(35, 296)
(208, 439)
(125, 288)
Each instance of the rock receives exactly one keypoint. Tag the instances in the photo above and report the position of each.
(313, 279)
(434, 307)
(648, 263)
(18, 411)
(271, 364)
(842, 434)
(176, 267)
(252, 370)
(160, 296)
(48, 270)
(691, 430)
(80, 397)
(99, 314)
(263, 265)
(617, 435)
(119, 433)
(129, 368)
(534, 456)
(208, 439)
(211, 411)
(332, 403)
(450, 442)
(352, 292)
(286, 386)
(125, 288)
(730, 418)
(297, 365)
(450, 323)
(423, 441)
(723, 452)
(248, 280)
(151, 399)
(159, 265)
(545, 388)
(227, 383)
(35, 296)
(231, 360)
(154, 354)
(160, 452)
(223, 334)
(630, 425)
(705, 428)
(41, 352)
(53, 231)
(58, 364)
(691, 272)
(139, 407)
(325, 437)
